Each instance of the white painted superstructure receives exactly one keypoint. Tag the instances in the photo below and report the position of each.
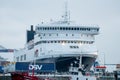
(61, 42)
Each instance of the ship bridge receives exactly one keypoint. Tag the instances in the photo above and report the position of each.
(69, 28)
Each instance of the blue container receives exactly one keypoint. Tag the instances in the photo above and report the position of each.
(38, 67)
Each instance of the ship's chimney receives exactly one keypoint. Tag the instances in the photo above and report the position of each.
(30, 34)
(31, 27)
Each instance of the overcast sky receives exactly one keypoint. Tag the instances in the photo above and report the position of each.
(16, 16)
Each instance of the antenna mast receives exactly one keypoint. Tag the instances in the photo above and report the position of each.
(67, 14)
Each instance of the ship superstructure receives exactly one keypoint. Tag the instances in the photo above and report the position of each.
(62, 44)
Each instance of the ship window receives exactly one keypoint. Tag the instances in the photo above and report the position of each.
(91, 42)
(66, 34)
(68, 41)
(87, 42)
(40, 49)
(60, 28)
(49, 34)
(64, 41)
(81, 42)
(97, 29)
(77, 28)
(74, 47)
(87, 35)
(82, 29)
(52, 28)
(77, 78)
(55, 41)
(38, 43)
(24, 56)
(39, 28)
(66, 28)
(55, 28)
(21, 58)
(75, 41)
(45, 28)
(43, 34)
(69, 28)
(63, 28)
(48, 28)
(72, 29)
(44, 41)
(58, 41)
(17, 58)
(72, 34)
(88, 29)
(39, 35)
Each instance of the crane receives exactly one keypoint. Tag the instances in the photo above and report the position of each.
(3, 49)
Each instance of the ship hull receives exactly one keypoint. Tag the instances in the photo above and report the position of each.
(63, 63)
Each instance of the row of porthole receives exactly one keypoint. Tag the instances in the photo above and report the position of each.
(65, 41)
(65, 35)
(67, 28)
(75, 47)
(21, 58)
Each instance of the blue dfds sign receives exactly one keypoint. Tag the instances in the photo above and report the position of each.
(38, 67)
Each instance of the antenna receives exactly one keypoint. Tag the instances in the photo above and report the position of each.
(69, 17)
(67, 14)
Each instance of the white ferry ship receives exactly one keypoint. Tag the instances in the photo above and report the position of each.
(64, 43)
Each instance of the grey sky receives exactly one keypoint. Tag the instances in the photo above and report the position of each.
(17, 15)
